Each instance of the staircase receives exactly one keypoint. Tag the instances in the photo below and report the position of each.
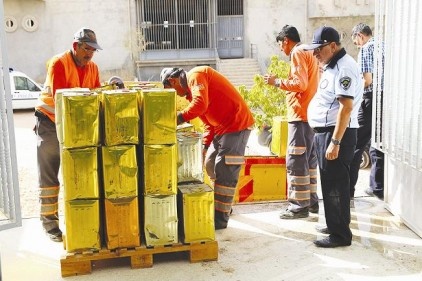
(239, 71)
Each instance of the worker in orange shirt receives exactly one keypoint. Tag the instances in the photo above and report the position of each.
(70, 69)
(228, 123)
(301, 162)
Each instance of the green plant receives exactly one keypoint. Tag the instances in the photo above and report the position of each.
(266, 101)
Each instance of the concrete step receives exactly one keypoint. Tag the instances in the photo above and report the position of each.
(239, 71)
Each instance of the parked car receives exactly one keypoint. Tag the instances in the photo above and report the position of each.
(265, 138)
(25, 91)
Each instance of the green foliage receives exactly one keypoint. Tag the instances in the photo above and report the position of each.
(266, 101)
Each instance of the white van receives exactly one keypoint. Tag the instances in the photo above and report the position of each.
(25, 91)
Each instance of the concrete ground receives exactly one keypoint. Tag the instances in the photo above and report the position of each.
(257, 245)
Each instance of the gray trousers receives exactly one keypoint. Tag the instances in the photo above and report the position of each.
(223, 162)
(301, 166)
(48, 157)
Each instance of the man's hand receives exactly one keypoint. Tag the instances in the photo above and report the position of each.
(269, 79)
(332, 151)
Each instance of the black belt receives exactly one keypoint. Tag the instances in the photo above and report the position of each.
(41, 115)
(323, 129)
(367, 95)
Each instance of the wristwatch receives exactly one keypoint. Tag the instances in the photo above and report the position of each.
(277, 82)
(335, 142)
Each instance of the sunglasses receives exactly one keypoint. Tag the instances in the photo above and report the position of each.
(321, 47)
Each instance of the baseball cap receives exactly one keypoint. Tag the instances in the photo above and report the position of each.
(323, 35)
(87, 36)
(168, 72)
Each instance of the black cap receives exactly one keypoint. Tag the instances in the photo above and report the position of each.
(323, 35)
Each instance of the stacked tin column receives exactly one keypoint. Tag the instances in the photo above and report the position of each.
(195, 198)
(160, 166)
(120, 168)
(78, 134)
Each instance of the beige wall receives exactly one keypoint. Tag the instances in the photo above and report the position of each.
(57, 21)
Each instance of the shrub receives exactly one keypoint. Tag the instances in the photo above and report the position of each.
(266, 101)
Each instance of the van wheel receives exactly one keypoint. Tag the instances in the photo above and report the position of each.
(366, 161)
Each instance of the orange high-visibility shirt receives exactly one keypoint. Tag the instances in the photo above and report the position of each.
(63, 73)
(216, 102)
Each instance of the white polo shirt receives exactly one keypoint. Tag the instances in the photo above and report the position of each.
(341, 78)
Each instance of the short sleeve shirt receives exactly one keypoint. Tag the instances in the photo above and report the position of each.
(341, 79)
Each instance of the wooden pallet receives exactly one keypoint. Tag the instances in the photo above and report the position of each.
(140, 257)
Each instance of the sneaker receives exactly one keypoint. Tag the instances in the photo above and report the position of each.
(370, 192)
(55, 234)
(314, 208)
(322, 229)
(287, 214)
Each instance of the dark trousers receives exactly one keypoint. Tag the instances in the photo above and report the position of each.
(363, 139)
(335, 177)
(376, 178)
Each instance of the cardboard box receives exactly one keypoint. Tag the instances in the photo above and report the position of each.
(122, 223)
(196, 212)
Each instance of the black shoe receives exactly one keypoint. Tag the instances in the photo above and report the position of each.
(218, 225)
(322, 229)
(314, 208)
(287, 214)
(329, 242)
(370, 192)
(55, 234)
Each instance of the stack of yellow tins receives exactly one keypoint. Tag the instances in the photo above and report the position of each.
(160, 166)
(195, 198)
(79, 137)
(120, 168)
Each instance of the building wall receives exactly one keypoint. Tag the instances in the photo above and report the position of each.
(58, 21)
(113, 22)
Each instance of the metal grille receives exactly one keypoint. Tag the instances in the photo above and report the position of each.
(402, 102)
(176, 24)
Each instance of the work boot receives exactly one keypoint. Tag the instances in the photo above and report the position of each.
(55, 234)
(314, 208)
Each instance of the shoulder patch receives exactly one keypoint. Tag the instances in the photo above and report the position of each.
(345, 82)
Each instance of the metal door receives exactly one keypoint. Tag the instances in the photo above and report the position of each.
(230, 37)
(230, 29)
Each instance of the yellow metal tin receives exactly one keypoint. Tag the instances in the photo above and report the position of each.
(160, 170)
(262, 178)
(82, 221)
(120, 171)
(279, 136)
(59, 108)
(159, 116)
(80, 173)
(160, 216)
(80, 120)
(121, 117)
(122, 223)
(189, 154)
(196, 210)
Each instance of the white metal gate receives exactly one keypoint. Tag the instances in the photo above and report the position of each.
(10, 213)
(399, 24)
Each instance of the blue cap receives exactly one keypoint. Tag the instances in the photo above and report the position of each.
(323, 35)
